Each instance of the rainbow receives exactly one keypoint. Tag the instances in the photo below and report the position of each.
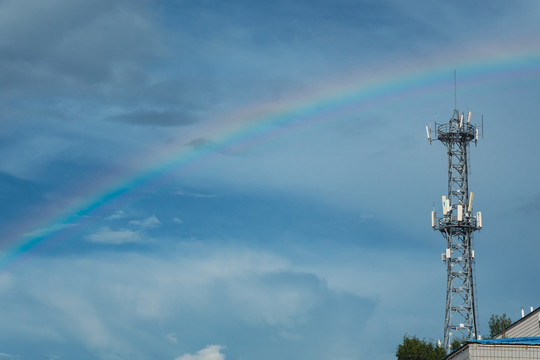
(256, 124)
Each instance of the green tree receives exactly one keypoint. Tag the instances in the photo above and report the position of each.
(497, 324)
(457, 342)
(413, 348)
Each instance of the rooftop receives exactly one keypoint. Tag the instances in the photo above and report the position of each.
(508, 341)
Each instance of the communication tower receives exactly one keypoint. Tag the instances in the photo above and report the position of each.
(457, 225)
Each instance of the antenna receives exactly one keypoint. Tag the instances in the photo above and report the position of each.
(482, 126)
(455, 95)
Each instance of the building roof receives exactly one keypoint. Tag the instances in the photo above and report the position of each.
(508, 341)
(519, 341)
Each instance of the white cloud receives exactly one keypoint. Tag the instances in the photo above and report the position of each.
(148, 223)
(195, 292)
(106, 235)
(119, 214)
(171, 338)
(211, 352)
(114, 237)
(178, 221)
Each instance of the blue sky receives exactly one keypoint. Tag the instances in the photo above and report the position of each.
(310, 240)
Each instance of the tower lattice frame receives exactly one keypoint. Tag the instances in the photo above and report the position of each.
(457, 225)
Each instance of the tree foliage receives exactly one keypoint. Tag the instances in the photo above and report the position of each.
(497, 323)
(457, 342)
(413, 348)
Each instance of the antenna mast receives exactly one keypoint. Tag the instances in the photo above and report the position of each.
(457, 225)
(455, 91)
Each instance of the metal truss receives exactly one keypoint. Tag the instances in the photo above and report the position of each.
(457, 226)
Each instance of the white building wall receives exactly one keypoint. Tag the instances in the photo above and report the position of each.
(514, 352)
(528, 326)
(463, 354)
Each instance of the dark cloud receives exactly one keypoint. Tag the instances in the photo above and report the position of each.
(200, 143)
(48, 45)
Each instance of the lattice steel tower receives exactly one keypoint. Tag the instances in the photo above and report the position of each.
(457, 226)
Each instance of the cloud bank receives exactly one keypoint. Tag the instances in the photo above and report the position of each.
(145, 306)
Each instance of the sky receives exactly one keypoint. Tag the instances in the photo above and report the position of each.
(206, 180)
